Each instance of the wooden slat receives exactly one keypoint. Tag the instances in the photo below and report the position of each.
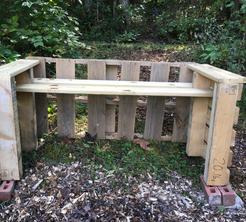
(182, 111)
(155, 105)
(236, 115)
(169, 105)
(220, 133)
(96, 104)
(27, 114)
(111, 74)
(168, 89)
(216, 74)
(128, 104)
(110, 83)
(14, 68)
(115, 62)
(240, 92)
(198, 118)
(39, 71)
(65, 69)
(230, 157)
(10, 148)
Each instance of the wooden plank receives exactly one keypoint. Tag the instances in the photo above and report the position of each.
(181, 117)
(240, 92)
(236, 115)
(156, 105)
(10, 148)
(41, 100)
(169, 105)
(233, 138)
(65, 69)
(216, 74)
(111, 74)
(131, 90)
(230, 157)
(198, 118)
(128, 104)
(96, 104)
(108, 83)
(115, 62)
(27, 114)
(220, 133)
(14, 68)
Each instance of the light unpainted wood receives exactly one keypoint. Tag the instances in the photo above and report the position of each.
(240, 92)
(19, 66)
(169, 105)
(216, 172)
(230, 157)
(27, 114)
(114, 136)
(111, 74)
(156, 105)
(115, 62)
(128, 104)
(110, 83)
(176, 89)
(10, 147)
(41, 100)
(216, 74)
(197, 119)
(236, 115)
(181, 117)
(97, 104)
(233, 138)
(65, 69)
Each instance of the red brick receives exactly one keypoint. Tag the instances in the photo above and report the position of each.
(212, 193)
(6, 190)
(228, 195)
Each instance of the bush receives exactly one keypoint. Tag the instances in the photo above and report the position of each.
(39, 27)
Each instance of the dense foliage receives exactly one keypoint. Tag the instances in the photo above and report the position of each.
(36, 26)
(55, 27)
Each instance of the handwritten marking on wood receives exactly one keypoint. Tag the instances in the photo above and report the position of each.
(216, 172)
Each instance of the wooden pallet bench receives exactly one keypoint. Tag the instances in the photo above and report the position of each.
(203, 100)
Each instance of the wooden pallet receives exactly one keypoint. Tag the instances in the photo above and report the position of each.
(203, 99)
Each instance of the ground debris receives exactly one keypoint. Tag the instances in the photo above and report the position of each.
(71, 192)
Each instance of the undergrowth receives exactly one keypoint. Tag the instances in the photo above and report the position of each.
(121, 156)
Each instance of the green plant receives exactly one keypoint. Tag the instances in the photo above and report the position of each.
(39, 27)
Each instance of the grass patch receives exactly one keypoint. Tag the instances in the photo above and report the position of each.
(121, 156)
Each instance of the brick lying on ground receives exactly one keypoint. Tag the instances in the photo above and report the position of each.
(219, 195)
(6, 190)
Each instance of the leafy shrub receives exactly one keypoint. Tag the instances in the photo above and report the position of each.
(40, 27)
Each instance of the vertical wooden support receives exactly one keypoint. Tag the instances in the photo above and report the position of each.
(39, 71)
(10, 148)
(65, 69)
(220, 134)
(96, 104)
(182, 109)
(198, 118)
(128, 104)
(155, 105)
(27, 114)
(111, 74)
